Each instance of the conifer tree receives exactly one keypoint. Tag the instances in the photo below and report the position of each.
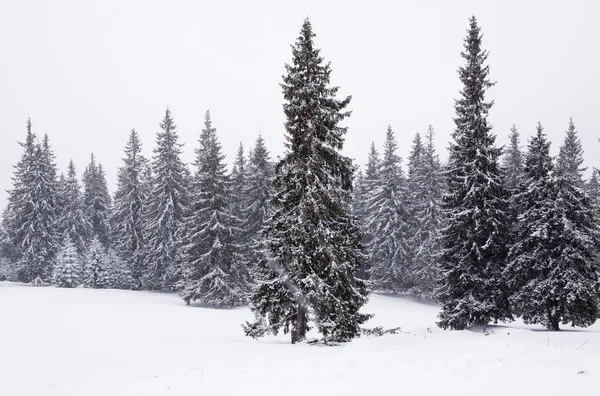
(128, 222)
(35, 211)
(166, 206)
(97, 201)
(570, 158)
(513, 161)
(213, 272)
(95, 274)
(553, 268)
(313, 240)
(238, 184)
(73, 221)
(389, 252)
(426, 189)
(593, 188)
(371, 186)
(474, 240)
(259, 192)
(68, 264)
(117, 272)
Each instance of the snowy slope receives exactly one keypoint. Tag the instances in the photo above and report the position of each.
(107, 342)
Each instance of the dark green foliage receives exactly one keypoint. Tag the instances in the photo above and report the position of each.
(553, 268)
(164, 210)
(97, 202)
(314, 242)
(474, 240)
(128, 222)
(213, 272)
(389, 224)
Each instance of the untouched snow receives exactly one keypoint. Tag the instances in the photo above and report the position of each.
(108, 342)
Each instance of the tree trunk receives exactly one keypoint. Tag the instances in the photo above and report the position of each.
(553, 322)
(299, 329)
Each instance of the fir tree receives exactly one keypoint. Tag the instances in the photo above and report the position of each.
(371, 186)
(474, 241)
(259, 192)
(426, 188)
(166, 206)
(68, 264)
(97, 201)
(238, 184)
(389, 252)
(73, 221)
(117, 272)
(36, 213)
(128, 217)
(513, 161)
(593, 187)
(212, 273)
(313, 240)
(95, 274)
(553, 269)
(570, 158)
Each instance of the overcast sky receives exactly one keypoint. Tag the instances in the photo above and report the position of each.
(86, 72)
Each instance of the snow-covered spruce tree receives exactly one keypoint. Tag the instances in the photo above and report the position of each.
(553, 268)
(165, 209)
(259, 192)
(371, 186)
(117, 272)
(97, 201)
(95, 274)
(17, 207)
(570, 158)
(73, 220)
(128, 222)
(474, 239)
(425, 189)
(512, 161)
(212, 272)
(313, 239)
(7, 254)
(593, 188)
(238, 184)
(67, 270)
(389, 220)
(35, 212)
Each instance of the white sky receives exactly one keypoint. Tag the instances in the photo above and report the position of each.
(86, 72)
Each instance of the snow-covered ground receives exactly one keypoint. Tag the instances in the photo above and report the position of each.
(107, 342)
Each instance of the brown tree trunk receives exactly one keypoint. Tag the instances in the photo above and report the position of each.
(299, 328)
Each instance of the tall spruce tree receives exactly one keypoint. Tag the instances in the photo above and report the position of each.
(213, 272)
(513, 161)
(238, 184)
(165, 209)
(553, 268)
(593, 188)
(371, 186)
(570, 159)
(259, 192)
(33, 208)
(426, 189)
(73, 221)
(474, 241)
(313, 240)
(97, 201)
(389, 251)
(128, 221)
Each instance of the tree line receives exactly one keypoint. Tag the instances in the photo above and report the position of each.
(492, 234)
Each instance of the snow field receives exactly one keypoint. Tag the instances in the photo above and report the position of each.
(112, 342)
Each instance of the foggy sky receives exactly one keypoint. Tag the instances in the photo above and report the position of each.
(86, 72)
